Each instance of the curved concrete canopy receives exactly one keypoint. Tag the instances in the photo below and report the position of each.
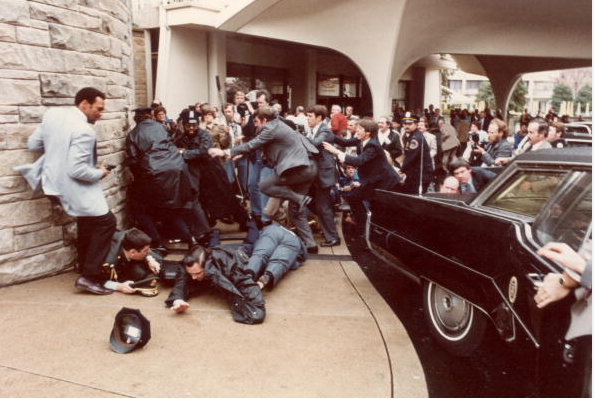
(385, 37)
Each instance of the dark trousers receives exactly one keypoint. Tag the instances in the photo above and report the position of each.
(355, 201)
(325, 211)
(94, 241)
(293, 184)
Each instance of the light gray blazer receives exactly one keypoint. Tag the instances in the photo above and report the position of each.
(67, 167)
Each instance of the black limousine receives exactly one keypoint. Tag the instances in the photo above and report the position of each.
(475, 255)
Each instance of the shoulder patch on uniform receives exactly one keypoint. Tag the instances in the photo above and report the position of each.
(414, 143)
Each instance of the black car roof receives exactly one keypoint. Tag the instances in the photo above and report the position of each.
(560, 155)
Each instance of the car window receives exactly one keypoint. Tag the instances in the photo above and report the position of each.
(577, 129)
(568, 216)
(526, 192)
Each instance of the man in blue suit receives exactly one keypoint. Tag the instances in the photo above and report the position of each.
(373, 167)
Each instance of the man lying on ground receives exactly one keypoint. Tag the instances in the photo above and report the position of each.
(232, 270)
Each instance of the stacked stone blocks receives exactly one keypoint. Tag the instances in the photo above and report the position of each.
(49, 49)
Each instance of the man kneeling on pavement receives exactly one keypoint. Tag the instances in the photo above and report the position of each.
(239, 271)
(130, 266)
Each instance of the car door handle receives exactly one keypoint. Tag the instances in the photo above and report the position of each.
(535, 279)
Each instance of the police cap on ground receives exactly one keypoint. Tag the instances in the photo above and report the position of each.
(410, 118)
(131, 330)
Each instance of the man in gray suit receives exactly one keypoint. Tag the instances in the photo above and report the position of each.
(326, 174)
(67, 171)
(291, 156)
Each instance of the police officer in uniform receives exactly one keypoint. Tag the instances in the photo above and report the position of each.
(417, 165)
(131, 267)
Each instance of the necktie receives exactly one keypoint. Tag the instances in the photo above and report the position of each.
(467, 188)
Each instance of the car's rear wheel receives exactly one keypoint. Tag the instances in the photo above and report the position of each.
(453, 321)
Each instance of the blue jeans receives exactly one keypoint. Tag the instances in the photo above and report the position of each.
(253, 180)
(264, 173)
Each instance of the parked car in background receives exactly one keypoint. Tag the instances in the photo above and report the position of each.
(578, 134)
(475, 255)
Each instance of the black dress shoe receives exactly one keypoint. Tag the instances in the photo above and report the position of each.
(83, 283)
(330, 243)
(304, 203)
(312, 250)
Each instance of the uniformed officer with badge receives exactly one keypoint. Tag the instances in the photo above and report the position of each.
(130, 266)
(417, 166)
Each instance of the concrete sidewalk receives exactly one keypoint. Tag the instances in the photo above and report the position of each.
(327, 333)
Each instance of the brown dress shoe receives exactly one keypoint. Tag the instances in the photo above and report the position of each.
(83, 283)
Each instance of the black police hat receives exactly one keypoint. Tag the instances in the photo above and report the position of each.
(410, 118)
(190, 116)
(131, 330)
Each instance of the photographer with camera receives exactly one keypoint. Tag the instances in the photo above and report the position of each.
(478, 138)
(498, 146)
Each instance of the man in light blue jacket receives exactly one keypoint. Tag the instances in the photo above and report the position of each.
(67, 171)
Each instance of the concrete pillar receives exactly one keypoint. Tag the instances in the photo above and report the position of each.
(217, 66)
(417, 88)
(311, 70)
(503, 87)
(148, 66)
(182, 72)
(432, 88)
(161, 90)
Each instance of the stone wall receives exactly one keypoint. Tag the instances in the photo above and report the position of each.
(49, 49)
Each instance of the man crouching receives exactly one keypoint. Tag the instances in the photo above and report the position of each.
(130, 266)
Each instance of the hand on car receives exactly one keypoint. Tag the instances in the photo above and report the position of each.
(179, 305)
(551, 290)
(501, 161)
(563, 254)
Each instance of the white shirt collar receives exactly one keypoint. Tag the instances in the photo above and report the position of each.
(79, 114)
(316, 128)
(365, 142)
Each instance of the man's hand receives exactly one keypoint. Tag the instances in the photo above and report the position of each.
(103, 168)
(153, 264)
(356, 184)
(125, 288)
(551, 290)
(479, 150)
(502, 161)
(563, 254)
(347, 188)
(236, 157)
(216, 152)
(330, 148)
(179, 305)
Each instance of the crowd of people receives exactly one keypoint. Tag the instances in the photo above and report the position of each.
(251, 164)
